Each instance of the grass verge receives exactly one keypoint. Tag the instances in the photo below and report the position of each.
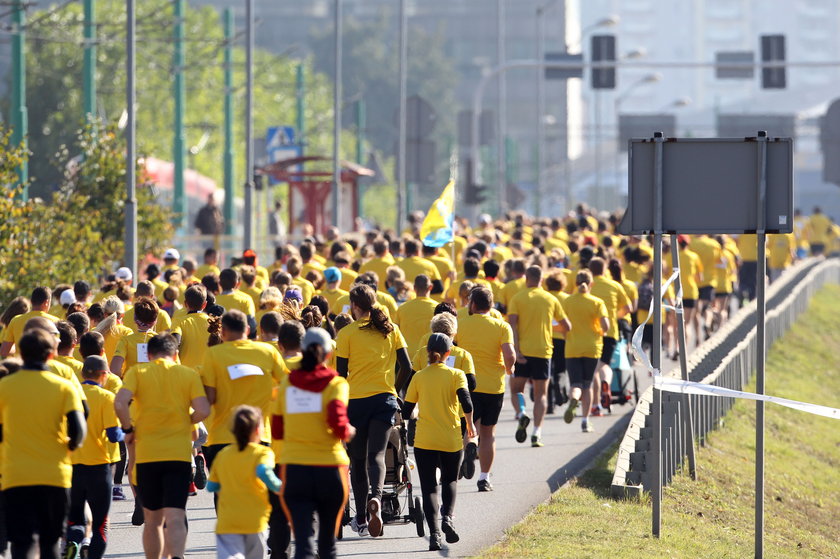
(714, 516)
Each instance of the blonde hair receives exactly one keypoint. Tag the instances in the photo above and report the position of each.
(444, 323)
(113, 308)
(271, 299)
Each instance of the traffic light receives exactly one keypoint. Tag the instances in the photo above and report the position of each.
(603, 50)
(773, 50)
(475, 194)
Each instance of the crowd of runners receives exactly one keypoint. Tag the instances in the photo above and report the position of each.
(276, 384)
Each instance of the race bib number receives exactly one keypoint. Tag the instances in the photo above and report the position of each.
(142, 353)
(302, 401)
(555, 323)
(345, 309)
(450, 361)
(243, 370)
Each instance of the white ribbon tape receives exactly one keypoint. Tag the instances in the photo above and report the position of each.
(636, 343)
(685, 387)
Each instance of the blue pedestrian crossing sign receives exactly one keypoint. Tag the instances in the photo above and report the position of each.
(281, 144)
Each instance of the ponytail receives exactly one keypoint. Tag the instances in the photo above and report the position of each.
(313, 356)
(246, 419)
(380, 321)
(435, 357)
(364, 297)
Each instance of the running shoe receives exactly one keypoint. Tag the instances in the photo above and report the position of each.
(536, 441)
(374, 509)
(71, 551)
(522, 429)
(117, 494)
(484, 485)
(569, 416)
(200, 476)
(434, 541)
(361, 529)
(470, 454)
(449, 530)
(596, 411)
(192, 491)
(587, 427)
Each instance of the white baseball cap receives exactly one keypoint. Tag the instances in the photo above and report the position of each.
(124, 274)
(171, 254)
(67, 297)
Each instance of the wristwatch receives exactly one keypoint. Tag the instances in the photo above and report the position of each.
(128, 430)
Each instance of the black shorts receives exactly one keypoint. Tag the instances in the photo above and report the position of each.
(536, 368)
(558, 358)
(164, 484)
(722, 295)
(707, 293)
(609, 349)
(487, 407)
(379, 407)
(689, 303)
(581, 371)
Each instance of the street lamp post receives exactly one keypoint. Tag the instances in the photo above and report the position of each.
(649, 78)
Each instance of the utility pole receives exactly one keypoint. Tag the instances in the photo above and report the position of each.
(90, 61)
(20, 119)
(300, 103)
(337, 94)
(130, 155)
(228, 155)
(540, 108)
(248, 239)
(179, 205)
(403, 116)
(361, 117)
(502, 116)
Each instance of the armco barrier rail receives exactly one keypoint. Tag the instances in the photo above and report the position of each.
(727, 359)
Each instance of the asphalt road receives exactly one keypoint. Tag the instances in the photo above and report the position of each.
(523, 477)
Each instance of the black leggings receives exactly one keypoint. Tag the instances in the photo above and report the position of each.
(428, 461)
(367, 463)
(36, 509)
(279, 534)
(119, 467)
(91, 484)
(311, 489)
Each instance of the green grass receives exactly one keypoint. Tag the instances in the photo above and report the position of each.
(713, 517)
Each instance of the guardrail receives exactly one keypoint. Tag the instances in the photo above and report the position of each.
(726, 359)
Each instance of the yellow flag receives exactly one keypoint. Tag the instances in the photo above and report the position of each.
(437, 227)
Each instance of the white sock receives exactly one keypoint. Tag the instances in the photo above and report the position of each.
(584, 421)
(483, 476)
(537, 431)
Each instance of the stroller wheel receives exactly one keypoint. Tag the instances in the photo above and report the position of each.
(418, 518)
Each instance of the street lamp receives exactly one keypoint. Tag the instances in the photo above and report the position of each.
(607, 21)
(676, 104)
(653, 77)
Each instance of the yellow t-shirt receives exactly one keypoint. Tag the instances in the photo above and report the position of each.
(307, 438)
(163, 392)
(164, 322)
(252, 292)
(439, 419)
(453, 294)
(14, 330)
(537, 312)
(459, 358)
(205, 269)
(708, 250)
(614, 297)
(413, 318)
(726, 271)
(780, 247)
(332, 296)
(748, 247)
(691, 269)
(348, 278)
(243, 372)
(585, 339)
(33, 406)
(134, 349)
(383, 301)
(414, 266)
(307, 290)
(483, 336)
(243, 497)
(67, 372)
(112, 339)
(510, 289)
(237, 300)
(194, 335)
(378, 265)
(311, 266)
(97, 449)
(818, 229)
(370, 358)
(71, 362)
(561, 296)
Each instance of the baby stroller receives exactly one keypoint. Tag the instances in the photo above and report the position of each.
(624, 386)
(399, 505)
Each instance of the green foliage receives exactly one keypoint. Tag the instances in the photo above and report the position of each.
(79, 233)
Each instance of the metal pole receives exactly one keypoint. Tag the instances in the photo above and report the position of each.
(656, 350)
(760, 342)
(248, 239)
(598, 196)
(89, 72)
(360, 148)
(20, 119)
(540, 108)
(686, 401)
(502, 116)
(300, 105)
(130, 155)
(337, 94)
(403, 116)
(179, 150)
(228, 155)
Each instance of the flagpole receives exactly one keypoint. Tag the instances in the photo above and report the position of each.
(453, 176)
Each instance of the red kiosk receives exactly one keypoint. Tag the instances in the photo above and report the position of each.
(314, 189)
